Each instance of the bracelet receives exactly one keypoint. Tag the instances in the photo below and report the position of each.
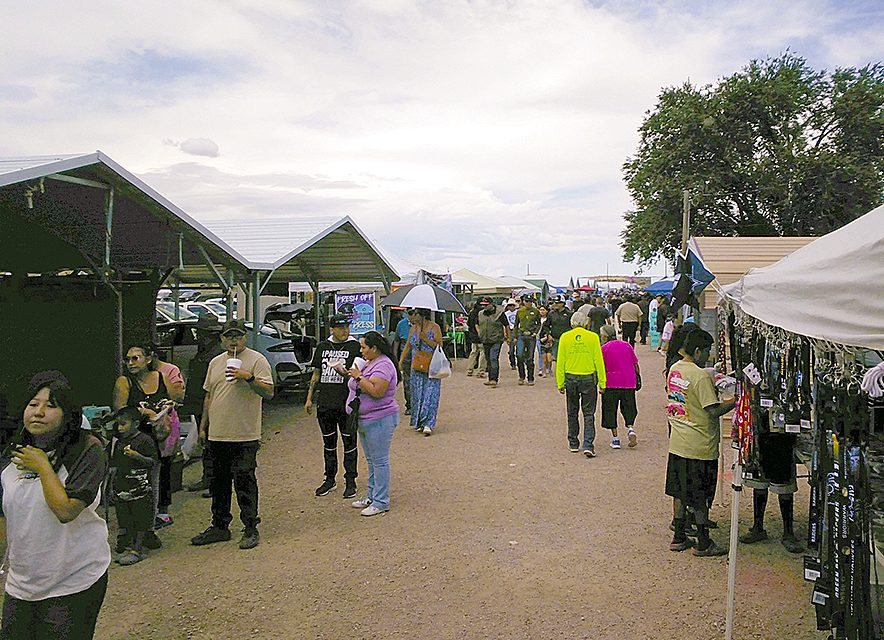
(358, 379)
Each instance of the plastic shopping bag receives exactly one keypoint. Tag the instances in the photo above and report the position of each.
(192, 439)
(439, 366)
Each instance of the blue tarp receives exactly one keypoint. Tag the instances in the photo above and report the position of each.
(661, 286)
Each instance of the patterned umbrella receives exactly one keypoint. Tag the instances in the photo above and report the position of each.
(423, 296)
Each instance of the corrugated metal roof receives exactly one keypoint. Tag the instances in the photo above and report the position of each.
(730, 258)
(298, 250)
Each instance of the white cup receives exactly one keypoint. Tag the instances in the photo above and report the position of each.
(232, 363)
(359, 363)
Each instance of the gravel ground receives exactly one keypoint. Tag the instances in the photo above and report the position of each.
(496, 531)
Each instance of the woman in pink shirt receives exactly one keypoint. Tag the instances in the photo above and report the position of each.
(622, 371)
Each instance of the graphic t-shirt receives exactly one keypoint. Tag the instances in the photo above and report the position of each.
(132, 478)
(332, 386)
(695, 434)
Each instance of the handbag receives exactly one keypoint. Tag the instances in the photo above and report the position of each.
(440, 367)
(421, 361)
(352, 423)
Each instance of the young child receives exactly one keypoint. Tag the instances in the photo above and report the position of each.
(666, 336)
(133, 456)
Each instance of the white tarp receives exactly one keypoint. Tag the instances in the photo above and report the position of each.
(831, 289)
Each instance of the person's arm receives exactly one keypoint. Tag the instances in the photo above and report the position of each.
(147, 461)
(308, 404)
(261, 382)
(436, 339)
(376, 387)
(35, 460)
(406, 349)
(560, 365)
(721, 408)
(121, 393)
(174, 385)
(204, 419)
(601, 374)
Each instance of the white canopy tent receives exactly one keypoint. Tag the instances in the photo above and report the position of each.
(831, 289)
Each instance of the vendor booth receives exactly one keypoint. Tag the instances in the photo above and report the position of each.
(806, 336)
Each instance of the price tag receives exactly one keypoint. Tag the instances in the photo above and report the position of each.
(767, 402)
(811, 568)
(793, 428)
(805, 424)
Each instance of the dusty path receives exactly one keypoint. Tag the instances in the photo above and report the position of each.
(496, 531)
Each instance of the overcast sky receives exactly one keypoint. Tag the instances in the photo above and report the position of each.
(486, 134)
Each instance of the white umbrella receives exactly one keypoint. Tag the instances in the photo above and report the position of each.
(423, 296)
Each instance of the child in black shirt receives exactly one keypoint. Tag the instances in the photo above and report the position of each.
(133, 455)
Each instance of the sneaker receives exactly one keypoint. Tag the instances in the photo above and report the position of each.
(540, 374)
(202, 485)
(152, 540)
(482, 374)
(753, 535)
(589, 453)
(427, 431)
(207, 493)
(361, 503)
(680, 546)
(371, 510)
(492, 384)
(531, 383)
(712, 550)
(210, 536)
(326, 488)
(574, 449)
(249, 539)
(615, 443)
(469, 373)
(408, 412)
(633, 440)
(521, 380)
(350, 489)
(513, 367)
(130, 557)
(163, 520)
(792, 545)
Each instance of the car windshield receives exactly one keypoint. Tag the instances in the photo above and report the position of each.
(218, 309)
(169, 309)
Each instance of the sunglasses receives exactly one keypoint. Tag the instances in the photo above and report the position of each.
(233, 335)
(132, 358)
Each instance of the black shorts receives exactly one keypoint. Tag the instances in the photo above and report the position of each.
(622, 398)
(777, 464)
(691, 481)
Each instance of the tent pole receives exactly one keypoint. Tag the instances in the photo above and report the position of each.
(318, 311)
(228, 302)
(256, 308)
(737, 486)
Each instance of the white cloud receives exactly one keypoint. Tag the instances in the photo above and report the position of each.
(488, 134)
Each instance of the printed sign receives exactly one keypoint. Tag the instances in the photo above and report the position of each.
(361, 309)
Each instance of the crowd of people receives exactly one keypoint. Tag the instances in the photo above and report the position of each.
(53, 486)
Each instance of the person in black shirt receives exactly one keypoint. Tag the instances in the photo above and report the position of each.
(208, 340)
(330, 411)
(559, 320)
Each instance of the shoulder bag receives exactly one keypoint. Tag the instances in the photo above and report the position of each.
(421, 361)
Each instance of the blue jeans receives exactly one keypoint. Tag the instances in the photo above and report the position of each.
(376, 436)
(492, 360)
(525, 356)
(581, 393)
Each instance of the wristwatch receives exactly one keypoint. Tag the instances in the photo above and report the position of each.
(251, 379)
(358, 379)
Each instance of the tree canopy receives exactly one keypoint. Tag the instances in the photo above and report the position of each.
(775, 149)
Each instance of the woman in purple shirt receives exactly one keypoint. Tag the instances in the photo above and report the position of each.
(375, 386)
(622, 372)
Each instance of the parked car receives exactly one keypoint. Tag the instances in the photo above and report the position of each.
(289, 355)
(165, 312)
(219, 311)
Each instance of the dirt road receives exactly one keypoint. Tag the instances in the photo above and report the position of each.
(495, 531)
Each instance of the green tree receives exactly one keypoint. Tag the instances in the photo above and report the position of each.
(775, 149)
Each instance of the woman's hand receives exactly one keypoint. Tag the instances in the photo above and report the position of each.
(353, 372)
(31, 459)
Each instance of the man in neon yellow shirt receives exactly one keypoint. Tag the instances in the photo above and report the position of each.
(580, 368)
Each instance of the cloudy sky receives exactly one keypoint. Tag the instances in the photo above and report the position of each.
(488, 134)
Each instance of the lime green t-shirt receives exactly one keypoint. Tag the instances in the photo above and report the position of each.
(695, 433)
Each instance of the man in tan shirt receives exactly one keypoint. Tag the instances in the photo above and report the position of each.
(629, 315)
(231, 428)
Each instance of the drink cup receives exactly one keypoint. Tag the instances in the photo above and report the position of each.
(359, 363)
(232, 363)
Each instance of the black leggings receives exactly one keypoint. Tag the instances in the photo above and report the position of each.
(70, 617)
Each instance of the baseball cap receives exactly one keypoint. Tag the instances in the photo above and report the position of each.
(510, 302)
(237, 325)
(207, 323)
(484, 300)
(339, 320)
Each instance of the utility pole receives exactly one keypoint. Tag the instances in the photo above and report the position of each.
(685, 221)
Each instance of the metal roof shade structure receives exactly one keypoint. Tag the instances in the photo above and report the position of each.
(730, 258)
(74, 228)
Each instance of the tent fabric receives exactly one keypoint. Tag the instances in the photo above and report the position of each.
(482, 283)
(831, 289)
(661, 286)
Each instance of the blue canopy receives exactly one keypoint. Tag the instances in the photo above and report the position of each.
(661, 286)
